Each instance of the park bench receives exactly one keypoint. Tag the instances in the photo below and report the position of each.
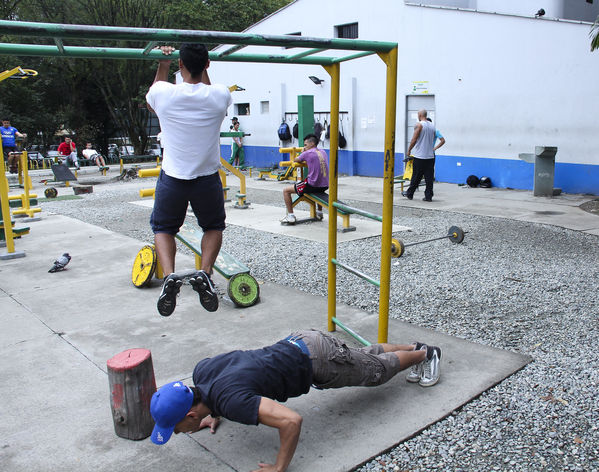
(17, 232)
(242, 288)
(322, 198)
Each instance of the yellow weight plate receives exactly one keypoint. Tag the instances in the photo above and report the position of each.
(144, 266)
(397, 248)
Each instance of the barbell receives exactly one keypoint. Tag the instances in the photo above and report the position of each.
(455, 234)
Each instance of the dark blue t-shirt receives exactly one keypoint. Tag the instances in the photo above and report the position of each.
(232, 384)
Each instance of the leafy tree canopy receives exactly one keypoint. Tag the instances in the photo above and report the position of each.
(97, 99)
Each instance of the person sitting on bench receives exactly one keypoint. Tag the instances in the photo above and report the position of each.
(317, 181)
(68, 150)
(94, 156)
(242, 386)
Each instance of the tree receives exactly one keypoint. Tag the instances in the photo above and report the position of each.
(595, 35)
(109, 95)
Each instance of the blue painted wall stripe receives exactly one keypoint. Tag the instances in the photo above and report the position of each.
(504, 173)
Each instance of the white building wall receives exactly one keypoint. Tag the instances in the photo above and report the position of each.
(502, 84)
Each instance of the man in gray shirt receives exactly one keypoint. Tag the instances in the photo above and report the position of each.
(421, 148)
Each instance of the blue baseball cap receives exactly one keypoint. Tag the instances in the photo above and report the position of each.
(169, 405)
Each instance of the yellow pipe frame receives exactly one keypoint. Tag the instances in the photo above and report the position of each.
(6, 217)
(237, 173)
(390, 59)
(334, 71)
(293, 152)
(149, 172)
(26, 195)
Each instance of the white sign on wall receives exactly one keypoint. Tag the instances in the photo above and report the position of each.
(420, 87)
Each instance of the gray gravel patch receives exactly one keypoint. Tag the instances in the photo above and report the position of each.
(513, 285)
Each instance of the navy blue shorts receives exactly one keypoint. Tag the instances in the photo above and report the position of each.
(205, 194)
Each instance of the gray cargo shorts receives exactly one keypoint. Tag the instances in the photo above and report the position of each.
(334, 365)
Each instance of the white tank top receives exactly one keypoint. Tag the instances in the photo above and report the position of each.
(423, 149)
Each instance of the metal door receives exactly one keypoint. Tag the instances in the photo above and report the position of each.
(413, 104)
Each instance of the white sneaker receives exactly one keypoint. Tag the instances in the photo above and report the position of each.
(430, 369)
(415, 372)
(289, 219)
(319, 215)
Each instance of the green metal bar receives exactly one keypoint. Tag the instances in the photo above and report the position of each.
(362, 275)
(307, 53)
(59, 45)
(25, 28)
(357, 211)
(355, 56)
(130, 53)
(230, 51)
(351, 332)
(149, 47)
(232, 134)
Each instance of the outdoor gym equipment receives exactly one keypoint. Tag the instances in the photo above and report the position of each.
(291, 165)
(242, 289)
(25, 197)
(301, 50)
(313, 199)
(6, 223)
(455, 234)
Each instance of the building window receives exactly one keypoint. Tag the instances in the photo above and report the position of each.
(349, 31)
(242, 109)
(264, 107)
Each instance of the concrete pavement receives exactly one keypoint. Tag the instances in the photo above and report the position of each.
(60, 329)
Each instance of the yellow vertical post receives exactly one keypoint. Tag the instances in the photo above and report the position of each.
(26, 181)
(6, 217)
(334, 72)
(390, 60)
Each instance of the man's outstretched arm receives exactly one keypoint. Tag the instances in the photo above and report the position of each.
(163, 68)
(289, 424)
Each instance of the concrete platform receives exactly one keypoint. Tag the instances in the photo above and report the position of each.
(60, 329)
(267, 218)
(522, 205)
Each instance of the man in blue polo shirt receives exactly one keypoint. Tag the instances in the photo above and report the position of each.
(246, 386)
(9, 145)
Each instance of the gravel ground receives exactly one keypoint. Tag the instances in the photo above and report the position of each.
(513, 285)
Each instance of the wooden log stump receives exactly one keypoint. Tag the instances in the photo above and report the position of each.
(132, 384)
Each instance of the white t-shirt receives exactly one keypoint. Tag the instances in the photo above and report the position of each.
(190, 119)
(89, 153)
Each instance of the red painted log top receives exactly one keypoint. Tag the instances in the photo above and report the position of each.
(128, 359)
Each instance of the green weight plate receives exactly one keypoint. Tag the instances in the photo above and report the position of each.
(455, 234)
(243, 289)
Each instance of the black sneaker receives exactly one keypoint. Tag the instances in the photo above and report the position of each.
(168, 297)
(202, 283)
(408, 196)
(426, 199)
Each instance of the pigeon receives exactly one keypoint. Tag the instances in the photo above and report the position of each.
(540, 13)
(61, 262)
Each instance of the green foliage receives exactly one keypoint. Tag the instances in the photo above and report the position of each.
(595, 35)
(95, 98)
(220, 15)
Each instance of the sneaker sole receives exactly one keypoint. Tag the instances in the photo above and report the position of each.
(208, 299)
(171, 290)
(412, 379)
(428, 384)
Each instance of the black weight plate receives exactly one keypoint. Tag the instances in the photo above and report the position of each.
(455, 234)
(51, 192)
